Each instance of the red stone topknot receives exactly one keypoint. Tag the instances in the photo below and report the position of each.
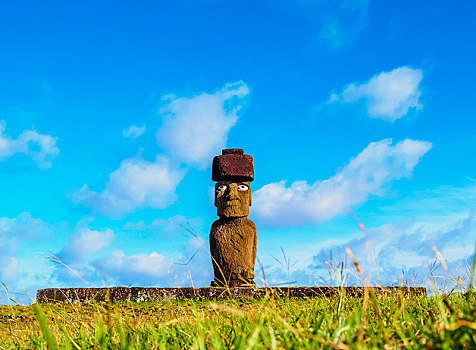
(233, 165)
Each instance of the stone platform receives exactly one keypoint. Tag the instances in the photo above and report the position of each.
(141, 294)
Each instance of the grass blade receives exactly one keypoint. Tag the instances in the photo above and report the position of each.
(45, 329)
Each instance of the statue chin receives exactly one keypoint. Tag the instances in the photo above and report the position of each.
(233, 211)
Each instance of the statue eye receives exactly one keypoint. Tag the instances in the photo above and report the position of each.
(242, 187)
(221, 188)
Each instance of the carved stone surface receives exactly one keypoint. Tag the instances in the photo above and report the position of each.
(233, 236)
(139, 294)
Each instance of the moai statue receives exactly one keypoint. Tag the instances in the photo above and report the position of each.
(233, 235)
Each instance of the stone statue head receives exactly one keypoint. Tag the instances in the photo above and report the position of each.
(233, 199)
(233, 172)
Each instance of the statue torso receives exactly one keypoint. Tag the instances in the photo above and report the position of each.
(233, 246)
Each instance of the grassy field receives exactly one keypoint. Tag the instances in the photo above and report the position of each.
(446, 321)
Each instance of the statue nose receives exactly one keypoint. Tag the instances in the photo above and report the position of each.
(232, 192)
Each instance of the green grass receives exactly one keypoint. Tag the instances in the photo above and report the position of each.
(446, 322)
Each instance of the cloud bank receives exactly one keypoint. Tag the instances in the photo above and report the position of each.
(41, 148)
(133, 132)
(15, 234)
(193, 265)
(194, 129)
(398, 251)
(403, 252)
(375, 167)
(82, 254)
(387, 96)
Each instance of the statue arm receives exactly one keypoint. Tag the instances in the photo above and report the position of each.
(255, 240)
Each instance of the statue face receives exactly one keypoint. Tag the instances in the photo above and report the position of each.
(232, 199)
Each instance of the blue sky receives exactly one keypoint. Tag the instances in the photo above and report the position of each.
(354, 112)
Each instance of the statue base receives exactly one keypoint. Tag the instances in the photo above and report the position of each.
(142, 294)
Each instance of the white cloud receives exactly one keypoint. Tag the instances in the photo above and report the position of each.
(136, 183)
(376, 166)
(343, 21)
(41, 148)
(133, 132)
(196, 128)
(388, 95)
(23, 227)
(84, 243)
(81, 248)
(135, 269)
